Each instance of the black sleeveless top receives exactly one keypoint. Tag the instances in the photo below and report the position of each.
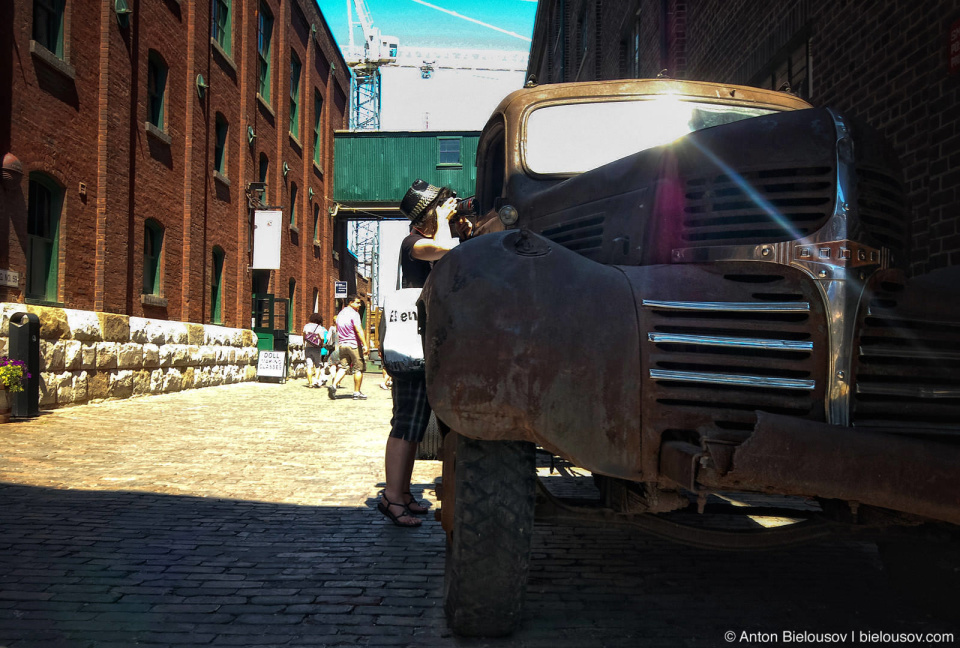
(414, 271)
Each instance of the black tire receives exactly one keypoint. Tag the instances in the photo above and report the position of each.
(488, 551)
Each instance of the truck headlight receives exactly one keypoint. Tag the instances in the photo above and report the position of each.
(508, 215)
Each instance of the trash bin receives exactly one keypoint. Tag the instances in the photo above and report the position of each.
(25, 346)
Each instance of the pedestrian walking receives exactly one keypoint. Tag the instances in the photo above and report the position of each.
(352, 342)
(430, 210)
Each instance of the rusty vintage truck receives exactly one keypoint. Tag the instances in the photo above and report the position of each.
(694, 291)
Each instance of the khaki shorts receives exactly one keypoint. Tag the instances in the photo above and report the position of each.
(350, 358)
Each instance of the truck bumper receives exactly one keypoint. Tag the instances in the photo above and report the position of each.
(793, 456)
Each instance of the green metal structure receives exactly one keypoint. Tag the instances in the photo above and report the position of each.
(374, 169)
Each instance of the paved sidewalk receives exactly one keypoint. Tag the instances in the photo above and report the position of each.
(244, 516)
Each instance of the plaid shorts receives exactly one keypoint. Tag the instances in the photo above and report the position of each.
(411, 411)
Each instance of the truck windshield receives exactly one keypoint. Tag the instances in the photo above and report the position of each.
(572, 138)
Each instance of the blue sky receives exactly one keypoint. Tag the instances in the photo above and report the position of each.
(415, 23)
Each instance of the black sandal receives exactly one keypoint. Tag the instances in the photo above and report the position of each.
(423, 509)
(396, 518)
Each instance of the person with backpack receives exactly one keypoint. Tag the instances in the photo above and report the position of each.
(314, 339)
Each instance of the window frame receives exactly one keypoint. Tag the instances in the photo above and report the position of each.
(221, 129)
(296, 68)
(221, 27)
(153, 231)
(264, 38)
(440, 152)
(317, 128)
(294, 195)
(218, 257)
(157, 73)
(49, 238)
(55, 13)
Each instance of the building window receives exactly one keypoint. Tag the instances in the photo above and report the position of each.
(262, 175)
(635, 59)
(791, 71)
(152, 257)
(216, 286)
(43, 235)
(294, 95)
(220, 147)
(317, 122)
(316, 223)
(448, 151)
(222, 26)
(292, 294)
(156, 89)
(293, 205)
(48, 24)
(316, 300)
(264, 33)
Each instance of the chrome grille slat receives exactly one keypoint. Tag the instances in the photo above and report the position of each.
(732, 379)
(731, 307)
(729, 342)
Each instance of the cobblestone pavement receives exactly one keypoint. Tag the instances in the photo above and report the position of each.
(243, 516)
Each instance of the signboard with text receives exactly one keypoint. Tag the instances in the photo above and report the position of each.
(272, 364)
(340, 289)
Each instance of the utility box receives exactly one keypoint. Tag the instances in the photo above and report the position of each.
(25, 346)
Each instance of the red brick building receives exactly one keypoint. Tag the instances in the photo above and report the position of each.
(894, 63)
(139, 127)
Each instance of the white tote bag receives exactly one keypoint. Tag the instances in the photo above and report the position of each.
(402, 344)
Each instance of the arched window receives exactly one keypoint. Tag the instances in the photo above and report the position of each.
(316, 223)
(290, 302)
(317, 128)
(216, 286)
(316, 300)
(293, 205)
(220, 147)
(156, 90)
(43, 236)
(295, 67)
(152, 258)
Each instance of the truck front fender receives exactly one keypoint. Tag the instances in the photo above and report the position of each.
(526, 340)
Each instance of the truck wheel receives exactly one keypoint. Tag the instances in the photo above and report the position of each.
(488, 550)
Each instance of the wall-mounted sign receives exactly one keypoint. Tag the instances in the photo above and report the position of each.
(954, 52)
(340, 289)
(267, 229)
(9, 278)
(272, 364)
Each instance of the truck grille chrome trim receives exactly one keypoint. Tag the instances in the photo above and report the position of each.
(909, 391)
(733, 307)
(732, 379)
(734, 342)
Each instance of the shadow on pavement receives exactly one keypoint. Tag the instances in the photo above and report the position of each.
(101, 568)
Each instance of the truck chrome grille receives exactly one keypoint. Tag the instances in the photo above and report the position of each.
(757, 207)
(882, 204)
(906, 365)
(713, 364)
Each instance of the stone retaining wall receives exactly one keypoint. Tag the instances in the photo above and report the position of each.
(88, 357)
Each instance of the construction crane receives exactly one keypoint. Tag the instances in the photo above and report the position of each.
(365, 61)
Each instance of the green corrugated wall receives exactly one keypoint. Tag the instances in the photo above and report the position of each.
(378, 166)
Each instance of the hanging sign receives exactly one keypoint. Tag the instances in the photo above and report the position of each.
(339, 289)
(267, 228)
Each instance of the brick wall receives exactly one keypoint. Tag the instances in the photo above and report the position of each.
(884, 61)
(81, 121)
